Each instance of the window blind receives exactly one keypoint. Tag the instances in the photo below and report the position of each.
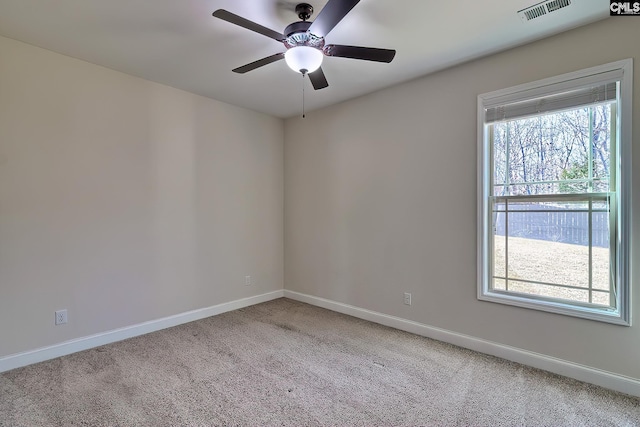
(595, 89)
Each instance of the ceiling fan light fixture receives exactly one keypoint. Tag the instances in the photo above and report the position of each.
(303, 59)
(305, 40)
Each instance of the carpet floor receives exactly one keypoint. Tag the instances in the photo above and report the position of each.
(289, 363)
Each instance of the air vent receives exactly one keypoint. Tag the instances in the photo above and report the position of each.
(542, 9)
(554, 5)
(534, 12)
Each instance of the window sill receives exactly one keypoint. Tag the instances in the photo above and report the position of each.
(590, 313)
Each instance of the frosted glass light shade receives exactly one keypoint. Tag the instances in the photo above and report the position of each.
(303, 58)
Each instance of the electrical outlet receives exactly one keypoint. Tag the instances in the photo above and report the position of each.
(247, 280)
(407, 298)
(61, 317)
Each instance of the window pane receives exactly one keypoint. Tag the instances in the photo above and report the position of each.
(601, 298)
(601, 186)
(548, 244)
(499, 285)
(601, 253)
(499, 239)
(499, 155)
(601, 146)
(561, 221)
(542, 147)
(499, 260)
(577, 295)
(548, 262)
(562, 152)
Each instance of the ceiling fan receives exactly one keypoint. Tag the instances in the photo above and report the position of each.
(305, 41)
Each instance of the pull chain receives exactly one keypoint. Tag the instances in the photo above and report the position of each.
(303, 114)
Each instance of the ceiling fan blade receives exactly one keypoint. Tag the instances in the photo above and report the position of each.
(318, 80)
(225, 15)
(358, 52)
(330, 15)
(259, 63)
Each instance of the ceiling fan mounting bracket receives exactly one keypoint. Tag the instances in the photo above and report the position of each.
(304, 11)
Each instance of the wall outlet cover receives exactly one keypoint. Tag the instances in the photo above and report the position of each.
(61, 317)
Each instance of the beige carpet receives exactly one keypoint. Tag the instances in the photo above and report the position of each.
(288, 363)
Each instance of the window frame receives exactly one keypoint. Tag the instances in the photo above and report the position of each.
(623, 200)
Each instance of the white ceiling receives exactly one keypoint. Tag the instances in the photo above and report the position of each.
(179, 43)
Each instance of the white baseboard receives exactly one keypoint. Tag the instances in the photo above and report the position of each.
(579, 372)
(51, 352)
(599, 377)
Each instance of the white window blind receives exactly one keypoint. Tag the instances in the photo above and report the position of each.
(591, 90)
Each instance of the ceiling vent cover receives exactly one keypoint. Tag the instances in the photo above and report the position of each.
(542, 9)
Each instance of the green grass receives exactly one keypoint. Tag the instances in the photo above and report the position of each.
(555, 263)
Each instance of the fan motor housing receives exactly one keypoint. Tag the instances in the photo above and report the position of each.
(297, 34)
(297, 27)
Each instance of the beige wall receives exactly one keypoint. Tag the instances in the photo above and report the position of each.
(380, 199)
(125, 201)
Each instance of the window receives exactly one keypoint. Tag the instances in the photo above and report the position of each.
(554, 197)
